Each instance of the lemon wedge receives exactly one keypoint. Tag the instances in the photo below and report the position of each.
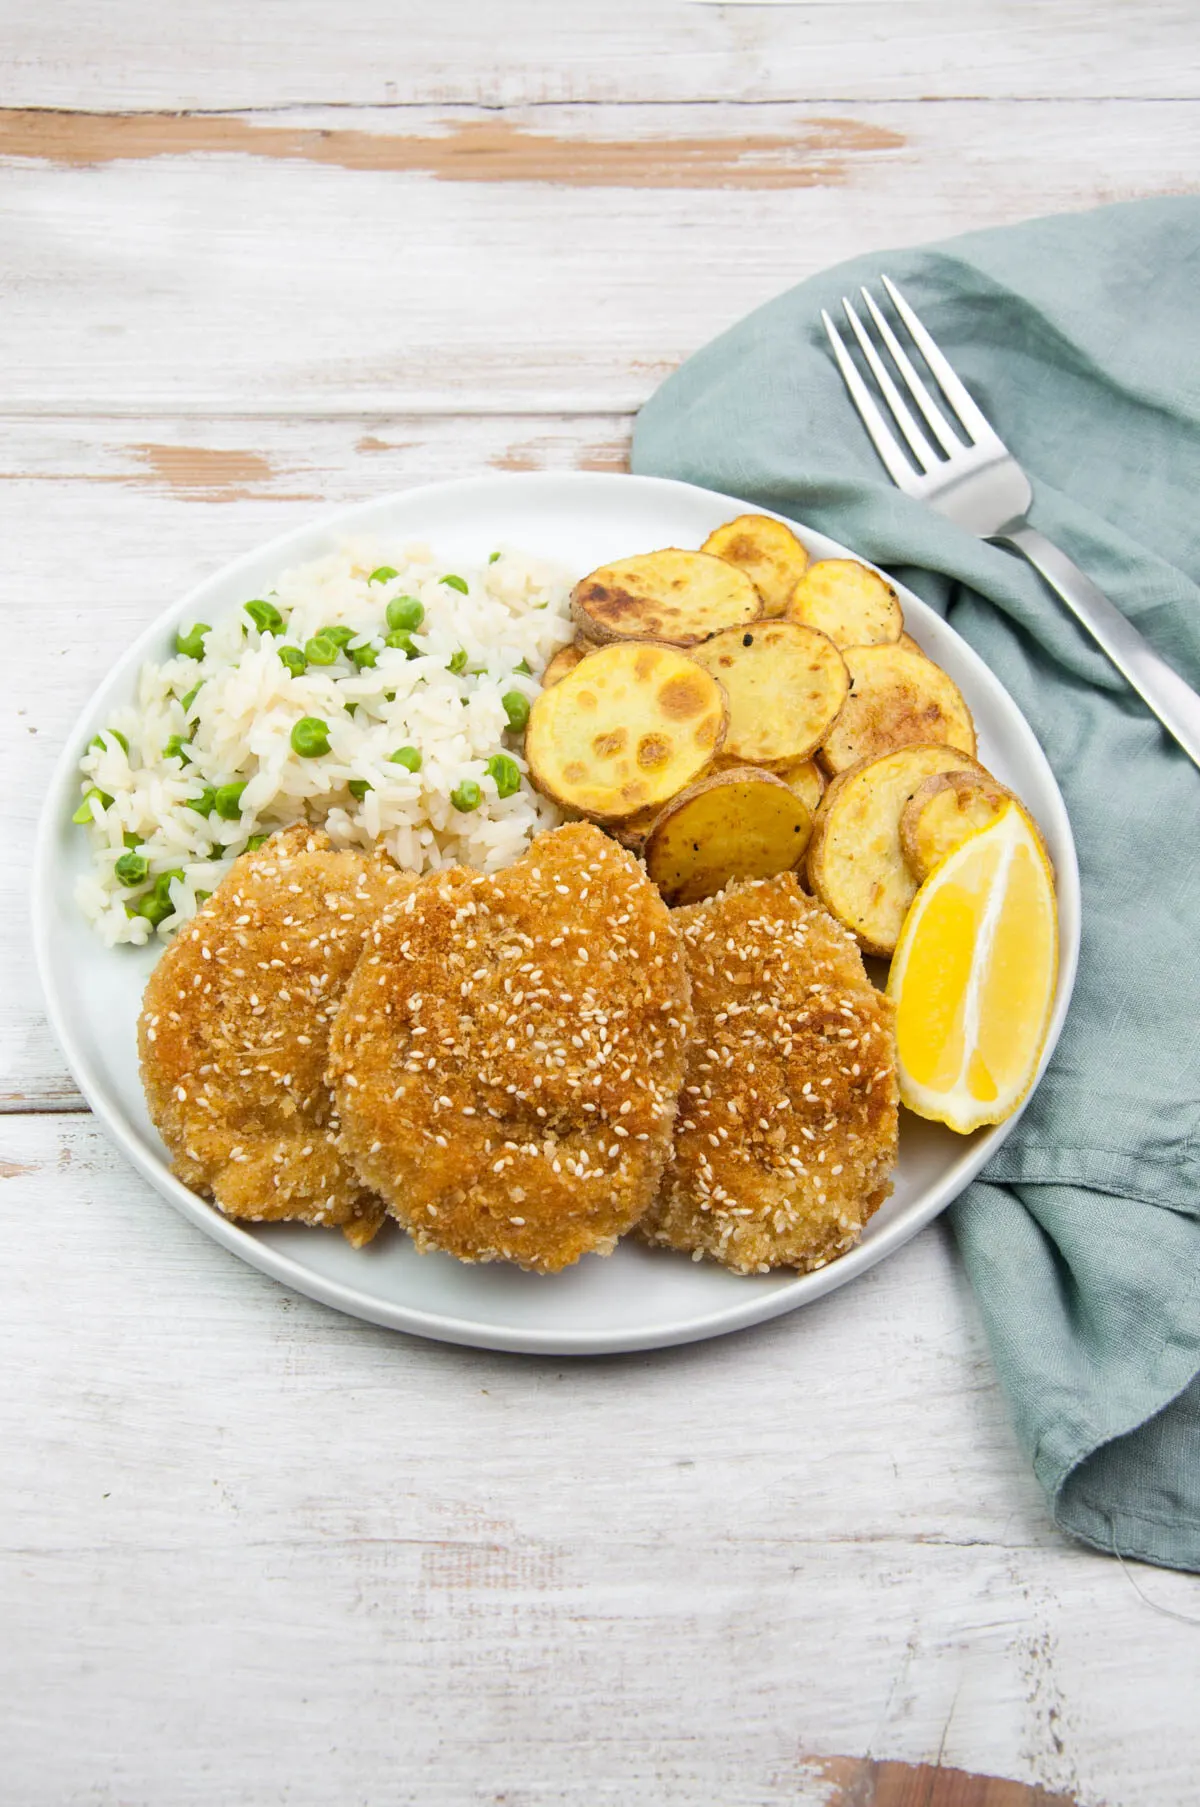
(973, 976)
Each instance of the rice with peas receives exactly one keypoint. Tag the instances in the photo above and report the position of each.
(447, 695)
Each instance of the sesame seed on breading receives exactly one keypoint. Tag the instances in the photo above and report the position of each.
(571, 1078)
(736, 1188)
(237, 1115)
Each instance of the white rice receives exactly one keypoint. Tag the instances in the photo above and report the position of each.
(238, 728)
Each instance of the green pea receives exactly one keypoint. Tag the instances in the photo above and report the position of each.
(84, 812)
(186, 702)
(506, 773)
(523, 668)
(229, 802)
(458, 662)
(265, 616)
(382, 574)
(341, 636)
(351, 709)
(310, 737)
(492, 557)
(97, 740)
(402, 640)
(408, 757)
(358, 788)
(177, 748)
(156, 905)
(455, 583)
(255, 841)
(294, 659)
(202, 897)
(466, 796)
(132, 868)
(132, 840)
(364, 657)
(516, 706)
(405, 611)
(321, 650)
(205, 803)
(191, 644)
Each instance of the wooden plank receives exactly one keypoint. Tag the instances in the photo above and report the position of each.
(253, 1551)
(574, 265)
(863, 1782)
(104, 523)
(377, 52)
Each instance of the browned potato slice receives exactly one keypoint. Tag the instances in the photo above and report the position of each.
(942, 813)
(767, 551)
(897, 698)
(564, 660)
(673, 596)
(806, 778)
(946, 810)
(739, 824)
(626, 729)
(849, 602)
(855, 863)
(786, 686)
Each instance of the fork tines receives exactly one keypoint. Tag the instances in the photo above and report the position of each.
(976, 433)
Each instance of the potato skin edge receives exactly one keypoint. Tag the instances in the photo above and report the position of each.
(822, 829)
(604, 633)
(714, 781)
(910, 814)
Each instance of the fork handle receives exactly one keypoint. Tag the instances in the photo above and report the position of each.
(1160, 687)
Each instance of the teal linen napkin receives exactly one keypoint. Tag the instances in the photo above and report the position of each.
(1080, 338)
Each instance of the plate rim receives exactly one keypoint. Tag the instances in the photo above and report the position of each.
(722, 1320)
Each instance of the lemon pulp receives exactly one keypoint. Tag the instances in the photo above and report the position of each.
(973, 977)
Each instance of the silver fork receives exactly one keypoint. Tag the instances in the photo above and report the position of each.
(980, 485)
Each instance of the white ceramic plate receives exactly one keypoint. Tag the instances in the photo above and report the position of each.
(638, 1298)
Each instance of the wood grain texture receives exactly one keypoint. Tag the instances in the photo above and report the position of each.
(255, 1553)
(225, 55)
(861, 1782)
(819, 153)
(266, 284)
(258, 1553)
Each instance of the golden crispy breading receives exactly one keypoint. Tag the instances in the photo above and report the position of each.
(234, 1034)
(508, 1054)
(786, 1132)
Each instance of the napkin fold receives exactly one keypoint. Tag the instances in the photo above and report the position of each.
(1080, 338)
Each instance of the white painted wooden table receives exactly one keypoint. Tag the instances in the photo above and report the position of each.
(258, 260)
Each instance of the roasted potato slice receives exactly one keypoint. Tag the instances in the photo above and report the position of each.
(909, 644)
(767, 551)
(629, 727)
(946, 810)
(805, 777)
(786, 686)
(743, 823)
(897, 698)
(849, 602)
(565, 660)
(856, 866)
(673, 596)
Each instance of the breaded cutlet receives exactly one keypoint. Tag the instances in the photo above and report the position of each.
(786, 1132)
(234, 1034)
(508, 1054)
